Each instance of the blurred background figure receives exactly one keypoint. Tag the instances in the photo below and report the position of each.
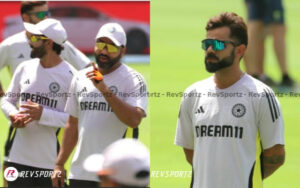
(124, 163)
(266, 17)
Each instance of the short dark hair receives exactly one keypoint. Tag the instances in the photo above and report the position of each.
(236, 24)
(57, 48)
(27, 6)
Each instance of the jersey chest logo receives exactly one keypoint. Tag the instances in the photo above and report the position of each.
(200, 110)
(113, 89)
(54, 87)
(238, 110)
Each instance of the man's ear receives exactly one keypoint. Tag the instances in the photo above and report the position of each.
(240, 50)
(49, 44)
(123, 51)
(25, 17)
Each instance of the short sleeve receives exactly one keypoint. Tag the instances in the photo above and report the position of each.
(184, 132)
(72, 101)
(138, 93)
(270, 125)
(75, 57)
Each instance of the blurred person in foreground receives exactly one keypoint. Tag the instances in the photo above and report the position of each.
(125, 163)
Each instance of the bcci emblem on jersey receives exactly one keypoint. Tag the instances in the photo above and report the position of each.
(54, 87)
(238, 110)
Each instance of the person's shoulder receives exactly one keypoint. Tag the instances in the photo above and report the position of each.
(68, 67)
(81, 73)
(124, 71)
(15, 39)
(254, 85)
(30, 65)
(200, 85)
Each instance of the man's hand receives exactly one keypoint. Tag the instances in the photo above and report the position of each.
(58, 176)
(96, 77)
(33, 111)
(17, 120)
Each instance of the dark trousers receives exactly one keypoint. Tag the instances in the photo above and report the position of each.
(83, 183)
(30, 176)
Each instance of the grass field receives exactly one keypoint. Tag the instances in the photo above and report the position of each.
(144, 134)
(177, 61)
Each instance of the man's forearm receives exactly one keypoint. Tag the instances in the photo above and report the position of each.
(129, 115)
(271, 164)
(69, 142)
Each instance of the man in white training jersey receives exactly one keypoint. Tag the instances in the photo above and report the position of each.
(230, 125)
(35, 103)
(15, 49)
(104, 102)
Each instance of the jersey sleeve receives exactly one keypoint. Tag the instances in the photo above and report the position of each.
(184, 132)
(138, 93)
(75, 57)
(53, 118)
(3, 54)
(72, 101)
(270, 124)
(10, 100)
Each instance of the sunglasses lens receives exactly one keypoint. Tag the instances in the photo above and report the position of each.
(111, 48)
(216, 44)
(33, 38)
(100, 45)
(205, 44)
(42, 15)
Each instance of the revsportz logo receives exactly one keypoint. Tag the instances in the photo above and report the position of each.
(11, 174)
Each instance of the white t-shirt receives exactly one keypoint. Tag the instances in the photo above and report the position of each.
(15, 49)
(36, 144)
(98, 126)
(228, 134)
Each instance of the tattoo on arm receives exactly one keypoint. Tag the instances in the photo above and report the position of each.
(276, 159)
(271, 164)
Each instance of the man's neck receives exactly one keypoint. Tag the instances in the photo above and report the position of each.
(113, 68)
(50, 60)
(227, 77)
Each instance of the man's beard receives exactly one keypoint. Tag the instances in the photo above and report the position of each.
(220, 64)
(107, 64)
(38, 52)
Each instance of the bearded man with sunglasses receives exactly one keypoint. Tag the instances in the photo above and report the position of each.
(15, 49)
(104, 102)
(35, 103)
(229, 122)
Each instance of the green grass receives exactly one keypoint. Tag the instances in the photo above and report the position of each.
(177, 61)
(144, 129)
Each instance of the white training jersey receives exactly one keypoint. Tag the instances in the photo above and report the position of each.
(15, 49)
(36, 144)
(98, 126)
(228, 129)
